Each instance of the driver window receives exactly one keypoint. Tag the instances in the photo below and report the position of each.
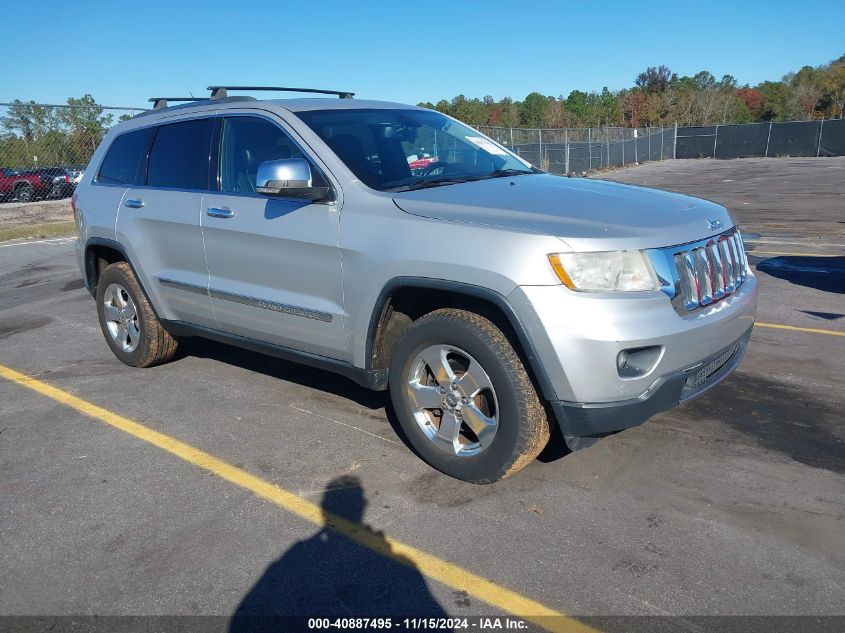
(248, 142)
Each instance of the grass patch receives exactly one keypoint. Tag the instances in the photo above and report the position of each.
(51, 229)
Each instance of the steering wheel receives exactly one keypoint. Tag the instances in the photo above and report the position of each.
(440, 164)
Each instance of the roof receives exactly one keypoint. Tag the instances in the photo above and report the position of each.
(293, 105)
(303, 105)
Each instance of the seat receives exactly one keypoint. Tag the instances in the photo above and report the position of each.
(250, 159)
(351, 151)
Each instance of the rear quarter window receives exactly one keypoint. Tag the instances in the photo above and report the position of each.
(124, 162)
(180, 154)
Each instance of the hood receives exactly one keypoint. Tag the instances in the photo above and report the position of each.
(588, 215)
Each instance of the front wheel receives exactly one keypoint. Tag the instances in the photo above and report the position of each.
(464, 399)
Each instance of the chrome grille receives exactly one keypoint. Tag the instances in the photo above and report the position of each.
(699, 274)
(701, 376)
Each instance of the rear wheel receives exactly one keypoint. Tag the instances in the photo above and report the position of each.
(464, 399)
(131, 328)
(25, 193)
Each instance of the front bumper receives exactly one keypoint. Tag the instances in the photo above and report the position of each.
(583, 423)
(578, 339)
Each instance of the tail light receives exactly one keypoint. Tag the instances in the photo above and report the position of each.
(73, 205)
(67, 179)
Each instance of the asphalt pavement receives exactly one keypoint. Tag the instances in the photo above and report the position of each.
(731, 504)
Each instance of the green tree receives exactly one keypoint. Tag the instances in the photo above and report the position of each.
(531, 110)
(655, 79)
(86, 123)
(443, 106)
(776, 101)
(20, 120)
(578, 103)
(610, 113)
(704, 80)
(510, 112)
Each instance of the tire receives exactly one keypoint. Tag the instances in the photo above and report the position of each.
(481, 380)
(25, 193)
(129, 325)
(56, 191)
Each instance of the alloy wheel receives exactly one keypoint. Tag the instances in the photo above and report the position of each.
(453, 400)
(121, 317)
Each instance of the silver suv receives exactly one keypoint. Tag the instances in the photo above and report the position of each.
(402, 249)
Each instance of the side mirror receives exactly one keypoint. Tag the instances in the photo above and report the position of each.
(288, 177)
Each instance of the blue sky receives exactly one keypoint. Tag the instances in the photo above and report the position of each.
(125, 52)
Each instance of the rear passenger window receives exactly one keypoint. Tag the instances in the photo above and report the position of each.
(124, 162)
(179, 157)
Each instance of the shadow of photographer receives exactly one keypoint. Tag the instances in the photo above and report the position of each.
(329, 576)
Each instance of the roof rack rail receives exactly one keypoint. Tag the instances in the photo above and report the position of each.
(159, 103)
(220, 92)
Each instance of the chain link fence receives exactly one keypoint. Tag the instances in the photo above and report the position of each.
(770, 139)
(44, 148)
(581, 150)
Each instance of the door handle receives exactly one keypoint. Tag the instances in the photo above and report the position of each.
(220, 213)
(133, 203)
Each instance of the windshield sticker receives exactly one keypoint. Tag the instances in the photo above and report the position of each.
(488, 146)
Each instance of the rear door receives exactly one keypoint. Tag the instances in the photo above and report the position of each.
(100, 194)
(274, 265)
(159, 221)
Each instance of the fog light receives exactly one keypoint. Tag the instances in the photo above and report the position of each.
(622, 359)
(637, 361)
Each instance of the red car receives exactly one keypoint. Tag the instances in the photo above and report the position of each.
(420, 162)
(23, 186)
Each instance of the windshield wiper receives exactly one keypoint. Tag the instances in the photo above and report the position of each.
(504, 173)
(425, 184)
(437, 182)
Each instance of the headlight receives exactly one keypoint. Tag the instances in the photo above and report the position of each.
(607, 271)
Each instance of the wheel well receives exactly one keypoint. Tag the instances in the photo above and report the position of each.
(97, 257)
(405, 304)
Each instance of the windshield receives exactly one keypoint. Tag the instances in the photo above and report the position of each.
(399, 150)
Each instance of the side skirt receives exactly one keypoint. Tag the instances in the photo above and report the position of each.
(375, 379)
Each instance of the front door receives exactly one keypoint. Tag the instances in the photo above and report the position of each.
(274, 266)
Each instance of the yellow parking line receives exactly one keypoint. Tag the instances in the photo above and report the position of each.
(431, 566)
(794, 328)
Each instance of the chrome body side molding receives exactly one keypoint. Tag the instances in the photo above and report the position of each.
(250, 301)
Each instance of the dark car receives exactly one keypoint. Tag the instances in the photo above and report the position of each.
(56, 182)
